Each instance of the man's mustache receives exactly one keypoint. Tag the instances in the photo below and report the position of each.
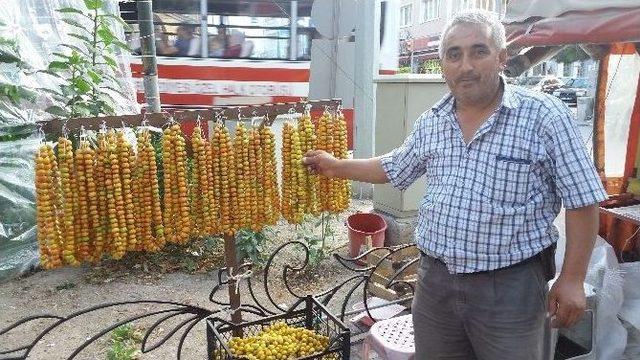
(468, 77)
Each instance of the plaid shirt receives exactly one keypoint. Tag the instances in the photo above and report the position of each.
(491, 203)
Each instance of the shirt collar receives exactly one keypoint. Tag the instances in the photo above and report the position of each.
(509, 100)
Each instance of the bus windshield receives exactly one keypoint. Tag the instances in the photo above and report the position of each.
(230, 29)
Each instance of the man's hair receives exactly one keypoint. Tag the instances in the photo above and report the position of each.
(190, 28)
(477, 17)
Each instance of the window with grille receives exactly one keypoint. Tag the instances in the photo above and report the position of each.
(467, 4)
(405, 15)
(430, 10)
(490, 5)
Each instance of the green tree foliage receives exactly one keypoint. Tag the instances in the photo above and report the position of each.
(86, 69)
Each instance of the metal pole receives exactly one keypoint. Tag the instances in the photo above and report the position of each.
(293, 31)
(498, 8)
(367, 50)
(204, 29)
(149, 62)
(411, 61)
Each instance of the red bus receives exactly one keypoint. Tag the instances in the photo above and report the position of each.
(227, 52)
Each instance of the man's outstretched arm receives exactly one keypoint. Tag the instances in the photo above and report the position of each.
(364, 170)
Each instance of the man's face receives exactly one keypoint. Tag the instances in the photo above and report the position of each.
(184, 33)
(471, 62)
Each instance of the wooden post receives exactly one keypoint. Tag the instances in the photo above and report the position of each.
(598, 119)
(231, 261)
(632, 145)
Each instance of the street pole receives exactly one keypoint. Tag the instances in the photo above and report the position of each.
(204, 29)
(293, 31)
(149, 62)
(367, 48)
(411, 61)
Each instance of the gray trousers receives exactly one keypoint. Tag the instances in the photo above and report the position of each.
(491, 315)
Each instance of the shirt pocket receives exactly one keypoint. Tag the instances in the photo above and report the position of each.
(511, 181)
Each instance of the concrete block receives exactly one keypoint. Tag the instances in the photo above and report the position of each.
(399, 230)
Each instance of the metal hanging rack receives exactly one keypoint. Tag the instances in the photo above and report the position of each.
(229, 113)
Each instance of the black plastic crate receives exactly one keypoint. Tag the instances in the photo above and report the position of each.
(308, 313)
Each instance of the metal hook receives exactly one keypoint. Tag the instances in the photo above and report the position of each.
(83, 133)
(41, 131)
(169, 119)
(65, 131)
(327, 111)
(218, 115)
(254, 114)
(144, 122)
(239, 113)
(103, 126)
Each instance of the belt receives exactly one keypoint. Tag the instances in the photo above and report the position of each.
(541, 256)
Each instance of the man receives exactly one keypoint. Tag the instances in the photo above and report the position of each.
(499, 162)
(162, 40)
(186, 43)
(234, 44)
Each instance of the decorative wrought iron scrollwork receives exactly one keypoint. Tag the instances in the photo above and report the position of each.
(175, 309)
(361, 276)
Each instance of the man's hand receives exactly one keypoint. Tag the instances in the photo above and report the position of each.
(365, 170)
(566, 297)
(567, 302)
(321, 162)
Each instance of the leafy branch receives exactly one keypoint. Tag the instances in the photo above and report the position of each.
(86, 68)
(252, 245)
(308, 231)
(10, 54)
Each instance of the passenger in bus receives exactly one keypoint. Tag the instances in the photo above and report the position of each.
(216, 45)
(234, 44)
(163, 47)
(237, 47)
(187, 43)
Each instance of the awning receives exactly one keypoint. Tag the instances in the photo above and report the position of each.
(561, 22)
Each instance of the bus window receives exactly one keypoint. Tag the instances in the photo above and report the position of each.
(234, 30)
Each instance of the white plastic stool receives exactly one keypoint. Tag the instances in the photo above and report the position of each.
(392, 339)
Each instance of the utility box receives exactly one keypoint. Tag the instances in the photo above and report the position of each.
(400, 100)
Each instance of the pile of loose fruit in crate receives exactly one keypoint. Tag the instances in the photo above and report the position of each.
(279, 341)
(116, 197)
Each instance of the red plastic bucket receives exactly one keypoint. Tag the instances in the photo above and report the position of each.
(363, 226)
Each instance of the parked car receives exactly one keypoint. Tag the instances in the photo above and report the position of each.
(573, 89)
(565, 79)
(546, 84)
(549, 85)
(531, 81)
